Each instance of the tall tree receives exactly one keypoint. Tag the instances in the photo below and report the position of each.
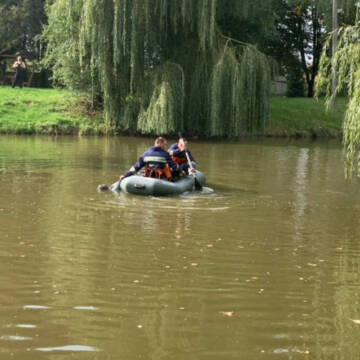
(303, 26)
(345, 62)
(21, 24)
(163, 66)
(302, 33)
(335, 25)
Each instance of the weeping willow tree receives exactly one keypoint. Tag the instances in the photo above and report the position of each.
(161, 66)
(239, 91)
(345, 62)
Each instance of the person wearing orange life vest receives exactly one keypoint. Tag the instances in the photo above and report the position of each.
(157, 162)
(178, 152)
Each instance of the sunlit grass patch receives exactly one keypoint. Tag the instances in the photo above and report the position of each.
(54, 111)
(40, 111)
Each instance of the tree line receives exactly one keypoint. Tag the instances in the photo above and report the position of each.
(161, 66)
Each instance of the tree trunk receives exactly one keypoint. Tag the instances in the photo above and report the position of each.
(300, 42)
(335, 26)
(317, 49)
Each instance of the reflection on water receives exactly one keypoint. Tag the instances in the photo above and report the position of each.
(264, 264)
(72, 348)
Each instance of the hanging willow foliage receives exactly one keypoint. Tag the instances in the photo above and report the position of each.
(166, 106)
(162, 66)
(346, 63)
(239, 91)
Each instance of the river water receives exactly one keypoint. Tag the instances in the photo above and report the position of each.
(265, 266)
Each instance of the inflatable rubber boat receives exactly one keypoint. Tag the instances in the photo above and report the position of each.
(141, 185)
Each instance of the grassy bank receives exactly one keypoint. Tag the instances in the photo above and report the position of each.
(304, 117)
(48, 111)
(43, 111)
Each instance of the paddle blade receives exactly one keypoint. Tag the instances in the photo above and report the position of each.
(197, 182)
(198, 186)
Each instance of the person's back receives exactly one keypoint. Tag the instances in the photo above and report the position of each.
(156, 160)
(156, 156)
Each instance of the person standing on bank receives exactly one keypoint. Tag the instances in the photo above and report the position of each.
(20, 67)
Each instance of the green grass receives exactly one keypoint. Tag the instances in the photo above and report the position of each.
(42, 111)
(304, 117)
(50, 111)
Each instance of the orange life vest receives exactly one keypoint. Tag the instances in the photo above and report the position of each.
(179, 160)
(158, 173)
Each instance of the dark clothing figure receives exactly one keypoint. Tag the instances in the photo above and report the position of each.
(154, 159)
(180, 158)
(20, 68)
(2, 69)
(19, 77)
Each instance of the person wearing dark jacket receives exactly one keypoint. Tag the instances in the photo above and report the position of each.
(156, 160)
(178, 152)
(20, 68)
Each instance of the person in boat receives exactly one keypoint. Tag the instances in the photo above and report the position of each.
(156, 161)
(178, 152)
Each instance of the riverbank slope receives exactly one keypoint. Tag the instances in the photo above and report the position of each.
(45, 111)
(303, 117)
(51, 111)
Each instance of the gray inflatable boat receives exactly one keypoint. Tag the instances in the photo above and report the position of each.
(141, 185)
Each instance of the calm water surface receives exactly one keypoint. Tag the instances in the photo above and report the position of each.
(264, 267)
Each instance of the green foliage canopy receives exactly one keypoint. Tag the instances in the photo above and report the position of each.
(346, 63)
(163, 66)
(302, 28)
(21, 23)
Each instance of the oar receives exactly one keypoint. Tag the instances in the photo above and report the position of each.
(198, 186)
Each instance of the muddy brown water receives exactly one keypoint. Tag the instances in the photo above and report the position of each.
(265, 266)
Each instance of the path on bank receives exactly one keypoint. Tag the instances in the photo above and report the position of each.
(54, 111)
